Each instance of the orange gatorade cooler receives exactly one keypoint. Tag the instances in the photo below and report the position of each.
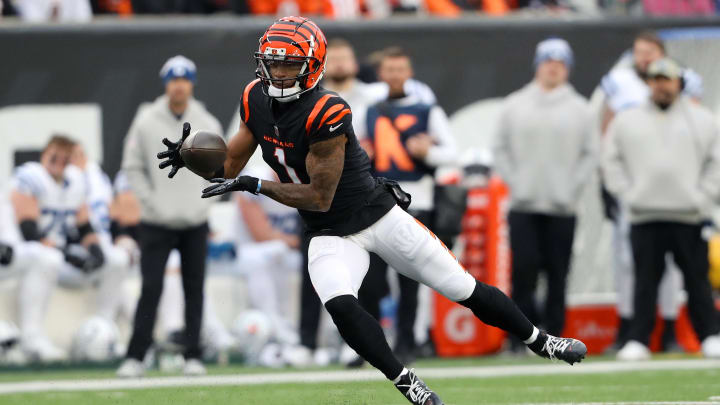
(486, 256)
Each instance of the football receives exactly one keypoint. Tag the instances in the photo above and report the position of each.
(204, 153)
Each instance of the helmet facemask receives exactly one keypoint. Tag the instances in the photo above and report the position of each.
(289, 88)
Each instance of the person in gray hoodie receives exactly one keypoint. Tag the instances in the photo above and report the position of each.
(544, 151)
(169, 219)
(662, 161)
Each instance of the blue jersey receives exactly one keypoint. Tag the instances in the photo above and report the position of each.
(390, 125)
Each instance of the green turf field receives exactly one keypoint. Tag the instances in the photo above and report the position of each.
(669, 386)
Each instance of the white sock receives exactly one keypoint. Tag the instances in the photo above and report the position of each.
(402, 373)
(532, 337)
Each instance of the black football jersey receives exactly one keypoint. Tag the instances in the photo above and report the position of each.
(285, 132)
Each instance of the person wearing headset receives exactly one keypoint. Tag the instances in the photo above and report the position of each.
(662, 160)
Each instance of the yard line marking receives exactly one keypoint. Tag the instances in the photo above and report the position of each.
(353, 375)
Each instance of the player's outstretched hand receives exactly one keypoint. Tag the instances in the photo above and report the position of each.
(173, 152)
(242, 183)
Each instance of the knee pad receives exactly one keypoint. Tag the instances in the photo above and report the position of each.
(458, 286)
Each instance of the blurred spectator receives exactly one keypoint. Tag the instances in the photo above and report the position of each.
(54, 10)
(407, 140)
(545, 154)
(169, 220)
(340, 76)
(120, 253)
(50, 204)
(120, 7)
(453, 8)
(625, 87)
(174, 6)
(368, 73)
(291, 7)
(268, 255)
(679, 8)
(35, 265)
(662, 159)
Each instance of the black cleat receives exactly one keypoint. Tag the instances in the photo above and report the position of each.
(416, 391)
(554, 348)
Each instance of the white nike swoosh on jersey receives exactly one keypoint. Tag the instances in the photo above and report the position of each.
(332, 129)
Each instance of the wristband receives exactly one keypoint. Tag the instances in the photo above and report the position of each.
(29, 230)
(84, 230)
(257, 191)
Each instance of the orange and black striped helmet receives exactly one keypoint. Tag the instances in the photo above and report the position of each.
(292, 40)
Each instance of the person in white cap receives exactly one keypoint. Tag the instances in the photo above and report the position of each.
(544, 151)
(662, 161)
(169, 220)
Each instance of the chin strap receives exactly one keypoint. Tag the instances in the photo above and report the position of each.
(277, 93)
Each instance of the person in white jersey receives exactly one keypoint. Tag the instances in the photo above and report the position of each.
(268, 243)
(49, 202)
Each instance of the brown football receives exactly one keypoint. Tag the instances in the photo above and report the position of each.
(204, 153)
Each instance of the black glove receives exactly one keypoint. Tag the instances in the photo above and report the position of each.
(6, 254)
(96, 258)
(173, 153)
(242, 183)
(87, 260)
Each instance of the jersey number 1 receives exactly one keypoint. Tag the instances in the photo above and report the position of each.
(280, 155)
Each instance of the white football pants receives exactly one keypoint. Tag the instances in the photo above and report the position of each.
(37, 266)
(337, 265)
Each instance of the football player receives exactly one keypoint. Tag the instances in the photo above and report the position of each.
(268, 254)
(35, 265)
(49, 202)
(120, 253)
(306, 136)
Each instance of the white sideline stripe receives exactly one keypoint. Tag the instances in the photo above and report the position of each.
(631, 403)
(353, 375)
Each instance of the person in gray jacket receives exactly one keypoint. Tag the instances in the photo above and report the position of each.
(545, 153)
(169, 220)
(662, 160)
